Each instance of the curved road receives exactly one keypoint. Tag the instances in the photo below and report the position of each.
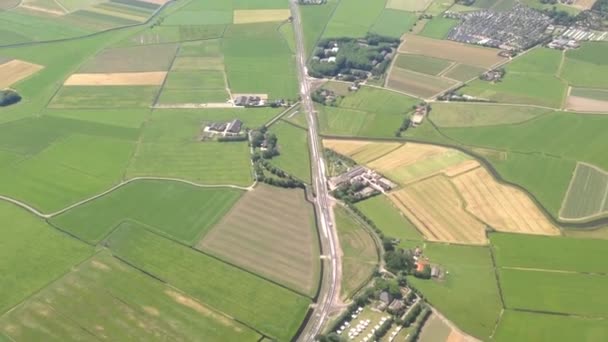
(331, 277)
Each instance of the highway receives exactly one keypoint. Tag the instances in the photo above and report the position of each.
(331, 277)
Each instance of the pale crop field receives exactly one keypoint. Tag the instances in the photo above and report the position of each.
(260, 16)
(418, 84)
(439, 218)
(502, 207)
(270, 231)
(409, 5)
(15, 70)
(345, 147)
(117, 79)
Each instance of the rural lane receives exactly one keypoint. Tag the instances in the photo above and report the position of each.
(327, 234)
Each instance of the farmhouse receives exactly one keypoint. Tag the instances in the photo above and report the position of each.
(359, 174)
(231, 128)
(419, 115)
(249, 101)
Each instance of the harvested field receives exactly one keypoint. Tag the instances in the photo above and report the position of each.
(409, 5)
(502, 207)
(117, 79)
(270, 231)
(260, 16)
(345, 147)
(15, 70)
(587, 194)
(417, 84)
(583, 104)
(439, 218)
(462, 53)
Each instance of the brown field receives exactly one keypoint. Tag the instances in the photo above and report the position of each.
(15, 70)
(418, 84)
(462, 53)
(502, 207)
(584, 4)
(407, 154)
(269, 231)
(437, 210)
(260, 16)
(582, 104)
(117, 79)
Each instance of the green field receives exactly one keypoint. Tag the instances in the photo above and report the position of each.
(417, 84)
(428, 166)
(393, 23)
(438, 27)
(475, 115)
(258, 60)
(530, 79)
(595, 94)
(239, 294)
(314, 21)
(106, 299)
(129, 59)
(464, 73)
(424, 64)
(194, 86)
(587, 193)
(128, 118)
(29, 256)
(370, 112)
(556, 292)
(360, 257)
(526, 326)
(533, 149)
(543, 252)
(587, 66)
(270, 231)
(353, 18)
(102, 97)
(409, 5)
(388, 219)
(469, 295)
(294, 157)
(19, 27)
(178, 210)
(170, 147)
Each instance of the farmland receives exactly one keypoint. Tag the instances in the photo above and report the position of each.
(461, 53)
(85, 97)
(98, 298)
(423, 64)
(117, 79)
(129, 59)
(519, 325)
(530, 79)
(587, 100)
(417, 84)
(239, 294)
(353, 18)
(469, 294)
(27, 268)
(438, 27)
(587, 193)
(270, 231)
(178, 210)
(463, 72)
(388, 218)
(587, 67)
(370, 112)
(408, 5)
(393, 23)
(294, 157)
(360, 256)
(15, 70)
(467, 115)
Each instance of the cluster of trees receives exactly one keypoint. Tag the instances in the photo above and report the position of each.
(347, 192)
(417, 326)
(279, 177)
(325, 97)
(9, 97)
(338, 162)
(407, 122)
(355, 58)
(560, 17)
(261, 138)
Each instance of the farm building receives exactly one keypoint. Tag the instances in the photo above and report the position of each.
(234, 127)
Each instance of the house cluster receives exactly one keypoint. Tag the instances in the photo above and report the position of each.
(494, 75)
(421, 262)
(312, 2)
(231, 128)
(419, 114)
(372, 180)
(517, 29)
(563, 43)
(249, 101)
(329, 54)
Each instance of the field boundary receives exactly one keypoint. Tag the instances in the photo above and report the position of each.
(588, 225)
(38, 213)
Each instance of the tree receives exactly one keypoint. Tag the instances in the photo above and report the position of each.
(9, 97)
(387, 243)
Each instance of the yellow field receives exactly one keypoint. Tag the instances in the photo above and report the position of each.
(260, 16)
(117, 79)
(445, 49)
(15, 70)
(436, 209)
(583, 104)
(502, 207)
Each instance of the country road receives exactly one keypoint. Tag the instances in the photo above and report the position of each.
(331, 270)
